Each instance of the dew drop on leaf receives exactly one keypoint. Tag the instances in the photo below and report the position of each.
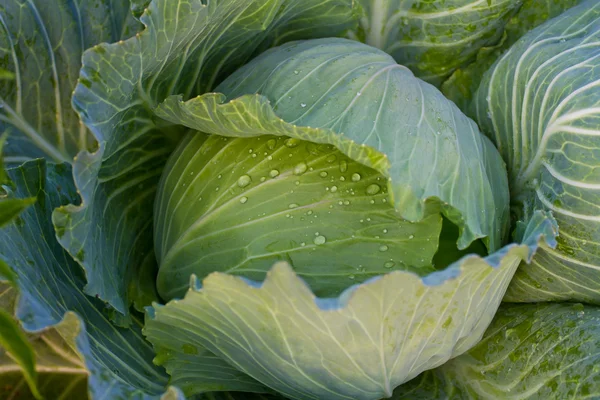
(343, 166)
(291, 143)
(244, 181)
(373, 189)
(300, 168)
(319, 240)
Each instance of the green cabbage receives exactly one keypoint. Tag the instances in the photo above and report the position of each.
(269, 199)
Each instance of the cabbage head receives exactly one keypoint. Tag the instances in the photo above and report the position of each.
(299, 199)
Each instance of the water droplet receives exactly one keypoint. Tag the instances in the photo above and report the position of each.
(244, 181)
(411, 237)
(342, 178)
(373, 189)
(319, 240)
(291, 142)
(355, 177)
(323, 174)
(219, 176)
(331, 158)
(358, 94)
(383, 247)
(271, 143)
(302, 105)
(300, 168)
(388, 264)
(372, 202)
(262, 178)
(269, 158)
(243, 200)
(302, 244)
(296, 72)
(293, 205)
(333, 189)
(343, 166)
(346, 202)
(351, 277)
(309, 212)
(385, 231)
(274, 173)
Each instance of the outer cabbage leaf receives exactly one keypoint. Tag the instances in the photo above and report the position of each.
(376, 112)
(187, 46)
(50, 284)
(433, 38)
(540, 104)
(361, 345)
(538, 351)
(41, 43)
(463, 83)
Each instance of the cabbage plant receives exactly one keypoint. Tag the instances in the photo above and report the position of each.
(273, 199)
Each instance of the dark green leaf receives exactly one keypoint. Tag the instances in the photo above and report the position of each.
(41, 44)
(119, 361)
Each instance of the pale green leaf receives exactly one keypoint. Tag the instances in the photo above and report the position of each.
(362, 345)
(540, 105)
(187, 47)
(240, 205)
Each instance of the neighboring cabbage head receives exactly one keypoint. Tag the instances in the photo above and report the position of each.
(540, 104)
(434, 38)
